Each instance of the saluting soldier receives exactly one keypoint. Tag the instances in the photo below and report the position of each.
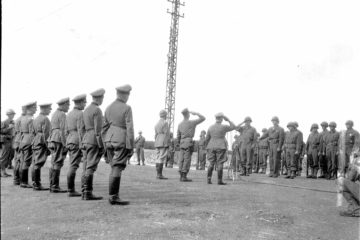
(41, 152)
(75, 129)
(216, 146)
(249, 137)
(276, 139)
(27, 136)
(92, 143)
(313, 150)
(263, 150)
(57, 144)
(185, 134)
(201, 151)
(322, 157)
(119, 140)
(293, 143)
(162, 138)
(139, 144)
(331, 141)
(6, 138)
(16, 146)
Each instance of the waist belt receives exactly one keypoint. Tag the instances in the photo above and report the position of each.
(122, 127)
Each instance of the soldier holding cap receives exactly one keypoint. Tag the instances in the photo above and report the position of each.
(42, 128)
(201, 152)
(92, 143)
(216, 146)
(263, 150)
(57, 144)
(75, 129)
(16, 146)
(27, 136)
(119, 140)
(331, 140)
(322, 157)
(185, 134)
(276, 139)
(139, 144)
(293, 143)
(249, 138)
(162, 138)
(6, 137)
(313, 150)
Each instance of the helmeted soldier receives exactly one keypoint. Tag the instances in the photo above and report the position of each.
(216, 146)
(162, 138)
(6, 138)
(293, 143)
(185, 134)
(255, 160)
(263, 150)
(313, 150)
(322, 157)
(27, 136)
(16, 146)
(119, 140)
(57, 144)
(92, 143)
(75, 129)
(249, 138)
(276, 139)
(139, 145)
(299, 156)
(200, 164)
(331, 141)
(41, 152)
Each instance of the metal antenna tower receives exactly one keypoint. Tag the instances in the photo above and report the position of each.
(172, 61)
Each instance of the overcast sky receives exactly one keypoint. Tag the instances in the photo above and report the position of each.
(296, 59)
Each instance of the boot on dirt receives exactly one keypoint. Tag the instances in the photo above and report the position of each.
(315, 173)
(37, 181)
(185, 179)
(292, 175)
(71, 185)
(322, 175)
(88, 188)
(114, 187)
(220, 175)
(159, 169)
(243, 171)
(209, 174)
(55, 188)
(311, 174)
(24, 176)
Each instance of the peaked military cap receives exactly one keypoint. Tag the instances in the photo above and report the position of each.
(63, 101)
(219, 115)
(79, 98)
(30, 104)
(163, 113)
(332, 124)
(349, 122)
(314, 125)
(185, 111)
(324, 124)
(98, 93)
(124, 89)
(248, 119)
(275, 119)
(10, 112)
(45, 105)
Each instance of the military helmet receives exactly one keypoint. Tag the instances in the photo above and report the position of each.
(247, 119)
(314, 125)
(332, 124)
(296, 124)
(324, 124)
(349, 122)
(290, 124)
(275, 118)
(10, 112)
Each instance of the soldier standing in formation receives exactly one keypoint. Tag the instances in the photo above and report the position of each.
(263, 150)
(301, 158)
(16, 146)
(298, 160)
(276, 139)
(171, 153)
(331, 141)
(119, 140)
(42, 127)
(185, 134)
(247, 147)
(293, 143)
(57, 144)
(255, 161)
(162, 138)
(92, 143)
(352, 140)
(322, 157)
(201, 161)
(6, 138)
(313, 150)
(139, 145)
(216, 146)
(75, 132)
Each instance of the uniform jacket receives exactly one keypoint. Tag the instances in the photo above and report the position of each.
(202, 143)
(264, 142)
(6, 131)
(293, 141)
(119, 124)
(186, 132)
(140, 142)
(313, 142)
(215, 137)
(276, 136)
(162, 134)
(58, 127)
(42, 128)
(75, 127)
(352, 139)
(17, 133)
(248, 135)
(331, 140)
(323, 135)
(27, 131)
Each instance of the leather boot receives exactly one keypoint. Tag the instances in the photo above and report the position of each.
(220, 175)
(314, 175)
(248, 172)
(4, 173)
(114, 186)
(209, 175)
(71, 185)
(51, 177)
(55, 188)
(287, 174)
(311, 174)
(185, 179)
(321, 174)
(88, 185)
(16, 175)
(243, 171)
(24, 176)
(333, 175)
(37, 181)
(159, 169)
(292, 174)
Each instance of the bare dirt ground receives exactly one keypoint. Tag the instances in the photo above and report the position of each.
(254, 207)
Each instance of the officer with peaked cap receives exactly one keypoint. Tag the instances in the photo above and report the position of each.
(16, 146)
(217, 146)
(313, 150)
(263, 150)
(352, 141)
(6, 137)
(27, 136)
(322, 156)
(331, 142)
(119, 140)
(57, 144)
(92, 143)
(42, 128)
(185, 135)
(276, 139)
(139, 145)
(75, 129)
(162, 139)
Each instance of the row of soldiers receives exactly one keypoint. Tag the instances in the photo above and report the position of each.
(83, 133)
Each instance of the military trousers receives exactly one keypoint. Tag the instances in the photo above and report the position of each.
(263, 153)
(343, 166)
(118, 156)
(161, 154)
(58, 155)
(291, 159)
(235, 159)
(140, 154)
(216, 157)
(170, 158)
(246, 155)
(5, 154)
(93, 156)
(185, 159)
(40, 154)
(201, 159)
(26, 156)
(323, 163)
(274, 158)
(75, 156)
(332, 159)
(313, 158)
